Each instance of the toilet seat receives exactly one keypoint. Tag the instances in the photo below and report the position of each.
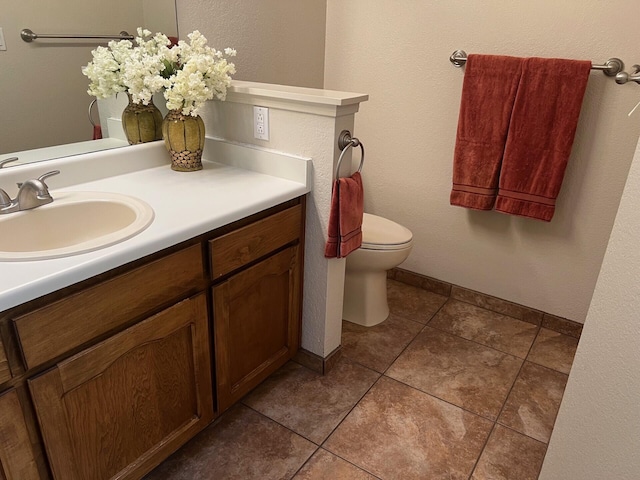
(379, 233)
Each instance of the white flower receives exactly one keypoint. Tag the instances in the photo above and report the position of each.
(201, 73)
(190, 73)
(105, 71)
(142, 71)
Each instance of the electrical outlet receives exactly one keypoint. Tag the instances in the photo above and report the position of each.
(261, 123)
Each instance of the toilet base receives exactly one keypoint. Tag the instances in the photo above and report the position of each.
(365, 298)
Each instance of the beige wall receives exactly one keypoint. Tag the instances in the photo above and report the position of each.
(278, 41)
(605, 378)
(43, 96)
(398, 53)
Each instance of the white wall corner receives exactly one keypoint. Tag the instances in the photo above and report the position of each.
(596, 434)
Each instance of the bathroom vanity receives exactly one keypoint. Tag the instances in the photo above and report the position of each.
(111, 360)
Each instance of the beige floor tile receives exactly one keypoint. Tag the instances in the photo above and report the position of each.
(534, 401)
(326, 466)
(413, 303)
(378, 346)
(242, 444)
(486, 327)
(510, 455)
(554, 350)
(397, 432)
(308, 403)
(462, 372)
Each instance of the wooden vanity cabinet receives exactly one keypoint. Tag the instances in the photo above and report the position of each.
(17, 458)
(115, 373)
(5, 372)
(118, 408)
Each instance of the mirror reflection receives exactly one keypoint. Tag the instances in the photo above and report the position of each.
(43, 99)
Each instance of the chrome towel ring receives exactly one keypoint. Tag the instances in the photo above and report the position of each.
(346, 141)
(93, 102)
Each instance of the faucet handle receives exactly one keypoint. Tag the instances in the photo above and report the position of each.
(47, 175)
(7, 160)
(42, 178)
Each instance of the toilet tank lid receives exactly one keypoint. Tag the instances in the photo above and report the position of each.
(382, 231)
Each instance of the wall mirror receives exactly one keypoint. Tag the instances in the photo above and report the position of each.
(43, 98)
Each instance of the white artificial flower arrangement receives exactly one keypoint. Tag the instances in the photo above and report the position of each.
(196, 73)
(105, 71)
(189, 73)
(142, 71)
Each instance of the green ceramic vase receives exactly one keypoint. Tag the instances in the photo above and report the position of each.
(141, 123)
(184, 138)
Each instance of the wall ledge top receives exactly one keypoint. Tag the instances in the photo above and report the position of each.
(301, 99)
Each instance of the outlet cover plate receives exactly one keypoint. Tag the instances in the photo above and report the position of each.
(261, 123)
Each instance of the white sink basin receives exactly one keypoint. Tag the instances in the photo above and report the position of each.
(76, 222)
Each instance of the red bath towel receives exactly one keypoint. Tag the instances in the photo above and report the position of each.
(543, 125)
(97, 132)
(345, 217)
(488, 94)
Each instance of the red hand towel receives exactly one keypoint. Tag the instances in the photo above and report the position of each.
(541, 133)
(488, 94)
(97, 132)
(345, 217)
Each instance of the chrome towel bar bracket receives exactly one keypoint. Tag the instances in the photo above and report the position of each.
(611, 68)
(346, 141)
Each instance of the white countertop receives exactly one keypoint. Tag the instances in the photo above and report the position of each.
(185, 205)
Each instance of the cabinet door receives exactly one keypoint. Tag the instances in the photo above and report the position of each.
(119, 408)
(5, 373)
(256, 324)
(17, 459)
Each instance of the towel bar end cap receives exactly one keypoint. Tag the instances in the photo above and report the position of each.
(27, 35)
(458, 58)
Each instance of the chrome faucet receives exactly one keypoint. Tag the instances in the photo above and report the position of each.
(32, 194)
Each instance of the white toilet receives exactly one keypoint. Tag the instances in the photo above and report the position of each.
(385, 245)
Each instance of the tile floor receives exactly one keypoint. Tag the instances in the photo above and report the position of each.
(441, 390)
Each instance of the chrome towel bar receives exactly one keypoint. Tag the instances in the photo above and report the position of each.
(346, 141)
(611, 68)
(29, 36)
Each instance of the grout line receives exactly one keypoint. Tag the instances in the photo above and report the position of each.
(477, 343)
(351, 410)
(475, 465)
(350, 462)
(304, 463)
(506, 399)
(464, 409)
(484, 344)
(523, 434)
(322, 445)
(276, 421)
(424, 325)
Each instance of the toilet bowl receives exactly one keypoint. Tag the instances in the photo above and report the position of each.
(385, 245)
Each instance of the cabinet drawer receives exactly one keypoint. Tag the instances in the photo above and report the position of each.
(240, 247)
(5, 373)
(63, 325)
